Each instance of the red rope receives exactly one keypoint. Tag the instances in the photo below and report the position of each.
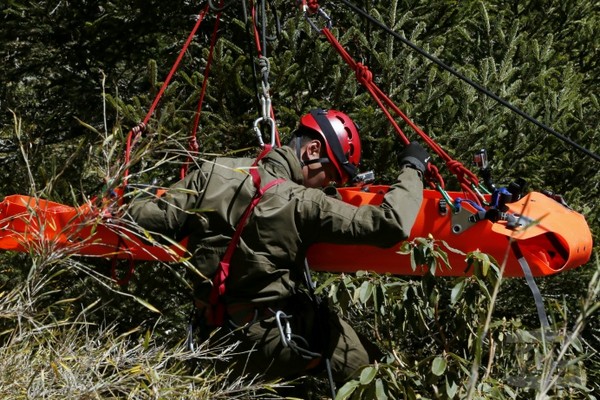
(193, 142)
(176, 65)
(130, 136)
(256, 33)
(465, 177)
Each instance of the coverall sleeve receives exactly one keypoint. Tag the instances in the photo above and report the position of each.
(168, 213)
(382, 226)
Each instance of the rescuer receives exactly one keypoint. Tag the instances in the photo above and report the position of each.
(268, 307)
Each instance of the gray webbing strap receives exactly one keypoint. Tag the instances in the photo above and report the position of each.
(535, 290)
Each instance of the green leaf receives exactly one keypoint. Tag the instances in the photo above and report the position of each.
(346, 391)
(380, 390)
(451, 389)
(413, 262)
(367, 375)
(438, 366)
(405, 248)
(485, 264)
(457, 291)
(366, 290)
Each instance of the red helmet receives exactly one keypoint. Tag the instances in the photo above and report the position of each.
(340, 135)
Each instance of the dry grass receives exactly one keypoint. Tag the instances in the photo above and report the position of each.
(43, 357)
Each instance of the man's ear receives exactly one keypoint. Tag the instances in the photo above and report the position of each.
(313, 150)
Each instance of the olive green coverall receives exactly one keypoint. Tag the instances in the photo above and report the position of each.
(266, 273)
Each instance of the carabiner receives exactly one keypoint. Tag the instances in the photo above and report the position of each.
(285, 333)
(271, 122)
(320, 13)
(265, 102)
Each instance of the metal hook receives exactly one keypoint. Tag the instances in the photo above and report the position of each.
(284, 332)
(323, 15)
(271, 122)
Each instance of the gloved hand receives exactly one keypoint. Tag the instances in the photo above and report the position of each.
(415, 156)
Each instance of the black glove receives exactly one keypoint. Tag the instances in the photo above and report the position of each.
(415, 156)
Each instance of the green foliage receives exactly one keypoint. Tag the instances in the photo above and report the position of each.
(443, 338)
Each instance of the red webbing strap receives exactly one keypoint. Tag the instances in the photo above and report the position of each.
(216, 317)
(465, 177)
(193, 142)
(130, 137)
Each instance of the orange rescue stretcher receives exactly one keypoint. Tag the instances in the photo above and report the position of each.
(30, 224)
(551, 237)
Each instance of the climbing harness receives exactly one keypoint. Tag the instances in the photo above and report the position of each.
(217, 312)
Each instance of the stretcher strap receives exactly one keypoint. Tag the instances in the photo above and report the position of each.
(537, 296)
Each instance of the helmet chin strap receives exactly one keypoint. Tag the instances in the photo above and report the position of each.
(316, 160)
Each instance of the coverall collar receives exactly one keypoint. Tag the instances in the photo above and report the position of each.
(282, 162)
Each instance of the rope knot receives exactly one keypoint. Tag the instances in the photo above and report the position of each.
(464, 175)
(363, 74)
(456, 168)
